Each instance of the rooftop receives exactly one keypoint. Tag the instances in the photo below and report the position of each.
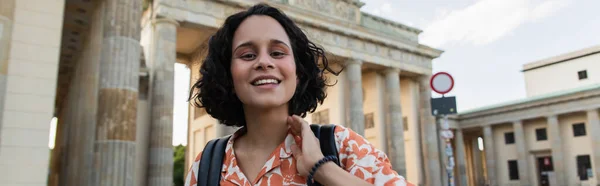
(562, 58)
(533, 99)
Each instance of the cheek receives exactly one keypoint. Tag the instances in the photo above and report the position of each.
(237, 74)
(289, 70)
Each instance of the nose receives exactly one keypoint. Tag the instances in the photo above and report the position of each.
(264, 62)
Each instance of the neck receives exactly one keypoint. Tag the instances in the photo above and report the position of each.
(266, 128)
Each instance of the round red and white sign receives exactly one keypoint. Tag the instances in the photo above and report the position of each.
(441, 82)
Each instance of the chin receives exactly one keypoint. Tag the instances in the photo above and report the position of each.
(266, 102)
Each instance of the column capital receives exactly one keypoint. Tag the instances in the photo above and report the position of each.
(551, 116)
(354, 61)
(591, 111)
(423, 79)
(392, 70)
(165, 20)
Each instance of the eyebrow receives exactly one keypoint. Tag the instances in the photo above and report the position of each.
(250, 43)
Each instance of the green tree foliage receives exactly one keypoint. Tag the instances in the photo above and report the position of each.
(178, 165)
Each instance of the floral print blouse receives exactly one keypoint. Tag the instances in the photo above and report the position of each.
(357, 156)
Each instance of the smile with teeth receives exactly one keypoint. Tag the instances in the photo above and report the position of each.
(265, 81)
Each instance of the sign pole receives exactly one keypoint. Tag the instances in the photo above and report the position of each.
(442, 83)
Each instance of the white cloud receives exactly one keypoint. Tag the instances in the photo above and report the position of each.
(486, 21)
(547, 8)
(386, 8)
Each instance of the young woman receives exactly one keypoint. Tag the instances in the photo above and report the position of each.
(262, 74)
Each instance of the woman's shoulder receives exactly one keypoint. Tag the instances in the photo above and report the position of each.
(350, 142)
(347, 135)
(364, 160)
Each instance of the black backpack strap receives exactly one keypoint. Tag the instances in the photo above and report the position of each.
(326, 136)
(327, 140)
(204, 165)
(211, 162)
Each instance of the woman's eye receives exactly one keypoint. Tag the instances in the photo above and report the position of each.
(278, 54)
(248, 57)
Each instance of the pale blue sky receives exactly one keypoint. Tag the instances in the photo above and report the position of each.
(486, 42)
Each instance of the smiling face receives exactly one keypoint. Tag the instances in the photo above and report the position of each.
(262, 65)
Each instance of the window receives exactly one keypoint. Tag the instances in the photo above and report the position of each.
(579, 129)
(513, 170)
(584, 167)
(369, 122)
(405, 123)
(540, 134)
(509, 138)
(582, 74)
(321, 117)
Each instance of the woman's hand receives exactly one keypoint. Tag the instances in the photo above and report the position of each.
(307, 151)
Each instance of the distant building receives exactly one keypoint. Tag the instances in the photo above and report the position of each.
(552, 137)
(563, 72)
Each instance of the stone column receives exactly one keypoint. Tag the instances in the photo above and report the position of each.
(7, 11)
(429, 137)
(415, 130)
(460, 159)
(70, 142)
(594, 126)
(118, 94)
(557, 152)
(521, 153)
(477, 162)
(490, 159)
(394, 120)
(163, 57)
(83, 93)
(56, 161)
(357, 116)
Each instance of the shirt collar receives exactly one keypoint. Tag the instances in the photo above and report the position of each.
(231, 170)
(284, 153)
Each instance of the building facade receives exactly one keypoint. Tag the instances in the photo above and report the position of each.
(548, 138)
(563, 72)
(104, 69)
(383, 93)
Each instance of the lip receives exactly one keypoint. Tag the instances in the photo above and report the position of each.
(265, 77)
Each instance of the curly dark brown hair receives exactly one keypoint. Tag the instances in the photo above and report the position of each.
(214, 90)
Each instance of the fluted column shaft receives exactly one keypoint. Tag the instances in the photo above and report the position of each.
(118, 94)
(356, 115)
(460, 158)
(521, 153)
(490, 158)
(163, 57)
(557, 152)
(429, 137)
(394, 118)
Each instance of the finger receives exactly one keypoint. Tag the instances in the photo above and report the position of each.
(298, 140)
(304, 127)
(296, 152)
(294, 127)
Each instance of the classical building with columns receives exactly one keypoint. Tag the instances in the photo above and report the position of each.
(549, 138)
(383, 93)
(104, 70)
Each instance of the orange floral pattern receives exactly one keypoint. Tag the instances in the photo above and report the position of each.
(357, 156)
